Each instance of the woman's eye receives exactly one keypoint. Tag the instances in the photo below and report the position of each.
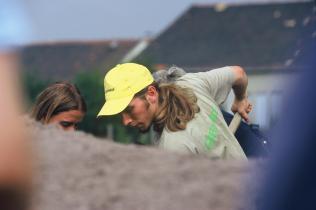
(66, 124)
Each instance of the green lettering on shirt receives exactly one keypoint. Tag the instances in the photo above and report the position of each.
(213, 115)
(212, 131)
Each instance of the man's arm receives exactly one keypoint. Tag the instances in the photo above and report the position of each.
(241, 103)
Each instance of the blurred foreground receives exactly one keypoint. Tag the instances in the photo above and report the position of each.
(77, 171)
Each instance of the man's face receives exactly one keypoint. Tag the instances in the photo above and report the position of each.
(138, 114)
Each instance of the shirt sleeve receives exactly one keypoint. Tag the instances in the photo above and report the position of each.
(218, 82)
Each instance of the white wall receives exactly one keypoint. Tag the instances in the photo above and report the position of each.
(266, 93)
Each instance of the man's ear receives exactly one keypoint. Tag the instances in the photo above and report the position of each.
(152, 94)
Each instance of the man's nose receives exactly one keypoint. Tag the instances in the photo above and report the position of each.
(126, 119)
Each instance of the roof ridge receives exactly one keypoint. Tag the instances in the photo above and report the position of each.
(74, 42)
(248, 3)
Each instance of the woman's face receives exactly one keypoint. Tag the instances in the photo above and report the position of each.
(68, 120)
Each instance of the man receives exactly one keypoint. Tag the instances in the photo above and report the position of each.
(185, 114)
(253, 142)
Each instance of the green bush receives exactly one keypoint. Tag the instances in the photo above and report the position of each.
(32, 86)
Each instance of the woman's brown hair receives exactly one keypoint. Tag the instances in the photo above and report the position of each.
(177, 106)
(56, 98)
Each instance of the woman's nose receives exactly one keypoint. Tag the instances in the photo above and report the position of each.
(70, 128)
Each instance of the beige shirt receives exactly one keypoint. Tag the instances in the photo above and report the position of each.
(208, 132)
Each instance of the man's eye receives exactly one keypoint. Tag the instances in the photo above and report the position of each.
(128, 109)
(66, 124)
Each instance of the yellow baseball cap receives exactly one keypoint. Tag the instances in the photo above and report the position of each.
(121, 84)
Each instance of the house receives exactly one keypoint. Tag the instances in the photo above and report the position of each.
(268, 40)
(63, 60)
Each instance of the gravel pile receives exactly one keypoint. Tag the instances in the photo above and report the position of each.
(76, 171)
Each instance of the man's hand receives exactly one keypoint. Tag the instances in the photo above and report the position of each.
(243, 107)
(241, 103)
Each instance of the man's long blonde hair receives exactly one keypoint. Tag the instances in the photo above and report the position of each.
(177, 106)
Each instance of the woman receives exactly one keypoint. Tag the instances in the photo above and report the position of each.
(60, 103)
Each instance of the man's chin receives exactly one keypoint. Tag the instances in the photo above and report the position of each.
(144, 130)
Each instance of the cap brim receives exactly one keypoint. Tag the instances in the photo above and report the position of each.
(115, 106)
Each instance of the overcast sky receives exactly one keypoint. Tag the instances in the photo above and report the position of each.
(61, 20)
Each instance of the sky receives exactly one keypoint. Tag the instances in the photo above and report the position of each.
(81, 20)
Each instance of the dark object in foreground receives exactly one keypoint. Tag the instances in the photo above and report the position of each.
(13, 198)
(253, 142)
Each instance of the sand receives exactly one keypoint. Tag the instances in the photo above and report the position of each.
(77, 171)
